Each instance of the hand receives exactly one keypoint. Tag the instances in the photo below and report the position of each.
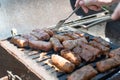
(93, 4)
(116, 13)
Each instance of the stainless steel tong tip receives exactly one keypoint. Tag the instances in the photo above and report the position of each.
(61, 22)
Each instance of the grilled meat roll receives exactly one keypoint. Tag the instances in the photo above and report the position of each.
(62, 63)
(103, 42)
(108, 64)
(77, 50)
(40, 34)
(40, 45)
(105, 50)
(69, 44)
(29, 37)
(62, 37)
(19, 41)
(84, 73)
(57, 46)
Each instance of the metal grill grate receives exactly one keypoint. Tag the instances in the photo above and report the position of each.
(35, 55)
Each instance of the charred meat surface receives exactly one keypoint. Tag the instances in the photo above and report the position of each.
(77, 50)
(29, 37)
(57, 46)
(95, 51)
(72, 35)
(40, 34)
(103, 48)
(69, 44)
(62, 37)
(103, 42)
(62, 63)
(84, 73)
(49, 31)
(87, 55)
(69, 55)
(80, 40)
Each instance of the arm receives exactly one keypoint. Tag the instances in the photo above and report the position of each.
(116, 13)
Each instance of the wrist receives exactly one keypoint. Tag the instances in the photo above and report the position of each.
(107, 2)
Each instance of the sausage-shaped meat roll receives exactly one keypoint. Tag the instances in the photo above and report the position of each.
(62, 63)
(29, 37)
(105, 50)
(19, 41)
(57, 46)
(103, 42)
(69, 44)
(40, 34)
(77, 50)
(40, 45)
(84, 73)
(62, 37)
(108, 64)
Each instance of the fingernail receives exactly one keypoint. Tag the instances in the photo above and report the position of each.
(81, 3)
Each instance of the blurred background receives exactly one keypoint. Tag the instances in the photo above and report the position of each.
(25, 15)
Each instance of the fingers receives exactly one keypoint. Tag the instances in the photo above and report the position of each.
(95, 8)
(85, 9)
(87, 4)
(77, 3)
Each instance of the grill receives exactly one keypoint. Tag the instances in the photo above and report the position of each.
(31, 59)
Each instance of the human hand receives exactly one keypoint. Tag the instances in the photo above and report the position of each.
(116, 13)
(93, 4)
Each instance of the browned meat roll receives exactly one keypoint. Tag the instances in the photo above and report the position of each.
(40, 45)
(19, 41)
(57, 46)
(49, 31)
(105, 50)
(72, 35)
(62, 37)
(40, 34)
(90, 48)
(87, 55)
(103, 42)
(62, 63)
(115, 52)
(80, 40)
(69, 55)
(77, 50)
(29, 37)
(84, 73)
(108, 64)
(69, 44)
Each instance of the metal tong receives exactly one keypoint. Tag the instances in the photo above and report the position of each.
(89, 21)
(61, 22)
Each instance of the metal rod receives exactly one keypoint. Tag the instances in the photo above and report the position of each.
(107, 18)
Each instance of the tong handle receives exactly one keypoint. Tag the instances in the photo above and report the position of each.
(107, 18)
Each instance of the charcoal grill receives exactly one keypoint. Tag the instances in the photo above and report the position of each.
(30, 59)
